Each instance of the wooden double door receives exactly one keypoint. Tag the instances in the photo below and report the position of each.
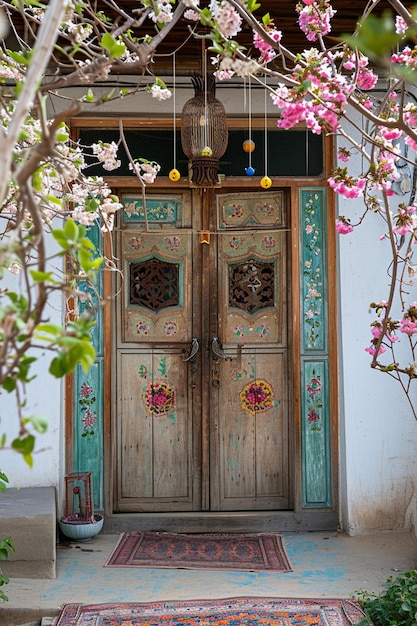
(202, 372)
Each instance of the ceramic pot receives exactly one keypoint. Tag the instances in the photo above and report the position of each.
(79, 530)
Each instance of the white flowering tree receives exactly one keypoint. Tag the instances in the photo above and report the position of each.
(46, 192)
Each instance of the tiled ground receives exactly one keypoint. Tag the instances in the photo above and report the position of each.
(324, 565)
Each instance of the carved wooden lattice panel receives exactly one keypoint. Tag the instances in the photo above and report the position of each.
(157, 296)
(251, 285)
(154, 284)
(252, 281)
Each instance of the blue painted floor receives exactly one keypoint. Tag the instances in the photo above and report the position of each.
(324, 565)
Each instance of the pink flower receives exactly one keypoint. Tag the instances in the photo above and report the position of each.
(400, 25)
(366, 80)
(343, 155)
(372, 350)
(343, 227)
(389, 134)
(348, 188)
(407, 326)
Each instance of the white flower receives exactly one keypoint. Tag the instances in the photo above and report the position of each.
(191, 15)
(160, 93)
(14, 268)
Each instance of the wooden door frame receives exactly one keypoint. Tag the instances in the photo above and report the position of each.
(298, 518)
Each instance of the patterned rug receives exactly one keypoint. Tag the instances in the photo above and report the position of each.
(249, 553)
(227, 612)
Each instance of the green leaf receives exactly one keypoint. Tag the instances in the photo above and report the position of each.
(59, 235)
(42, 277)
(89, 96)
(21, 57)
(114, 48)
(9, 384)
(252, 5)
(39, 423)
(266, 19)
(24, 445)
(71, 231)
(205, 17)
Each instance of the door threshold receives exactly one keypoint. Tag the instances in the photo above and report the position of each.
(197, 522)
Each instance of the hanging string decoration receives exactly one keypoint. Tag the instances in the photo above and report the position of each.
(249, 144)
(174, 174)
(265, 182)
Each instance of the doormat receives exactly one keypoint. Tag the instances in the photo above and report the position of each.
(254, 552)
(226, 612)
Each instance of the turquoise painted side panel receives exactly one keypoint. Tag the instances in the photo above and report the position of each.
(315, 403)
(88, 426)
(88, 393)
(316, 435)
(314, 275)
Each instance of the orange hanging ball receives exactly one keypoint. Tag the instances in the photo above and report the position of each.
(266, 182)
(248, 145)
(174, 175)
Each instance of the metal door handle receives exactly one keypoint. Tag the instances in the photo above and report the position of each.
(194, 349)
(217, 350)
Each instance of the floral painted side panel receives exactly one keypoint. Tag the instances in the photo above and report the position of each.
(316, 435)
(88, 394)
(314, 280)
(315, 410)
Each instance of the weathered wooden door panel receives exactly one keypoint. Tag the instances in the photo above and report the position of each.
(250, 371)
(161, 431)
(155, 431)
(251, 433)
(156, 450)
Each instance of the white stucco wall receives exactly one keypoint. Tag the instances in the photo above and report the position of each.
(44, 397)
(378, 433)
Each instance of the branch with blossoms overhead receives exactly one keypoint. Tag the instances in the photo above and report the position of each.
(374, 73)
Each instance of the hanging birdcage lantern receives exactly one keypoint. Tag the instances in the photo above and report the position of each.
(204, 133)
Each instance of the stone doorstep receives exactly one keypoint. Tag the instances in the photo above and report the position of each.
(28, 515)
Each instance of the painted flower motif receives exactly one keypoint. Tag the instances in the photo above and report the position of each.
(143, 371)
(266, 209)
(236, 210)
(135, 243)
(268, 242)
(257, 396)
(237, 374)
(170, 328)
(141, 327)
(315, 402)
(159, 398)
(314, 387)
(235, 242)
(173, 242)
(262, 330)
(88, 414)
(240, 330)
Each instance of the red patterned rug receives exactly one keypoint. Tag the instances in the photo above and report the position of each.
(250, 552)
(227, 612)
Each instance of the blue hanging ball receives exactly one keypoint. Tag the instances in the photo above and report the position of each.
(249, 171)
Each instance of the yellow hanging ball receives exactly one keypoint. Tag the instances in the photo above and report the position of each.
(266, 182)
(206, 151)
(174, 175)
(248, 145)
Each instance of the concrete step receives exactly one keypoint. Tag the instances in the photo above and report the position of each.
(29, 516)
